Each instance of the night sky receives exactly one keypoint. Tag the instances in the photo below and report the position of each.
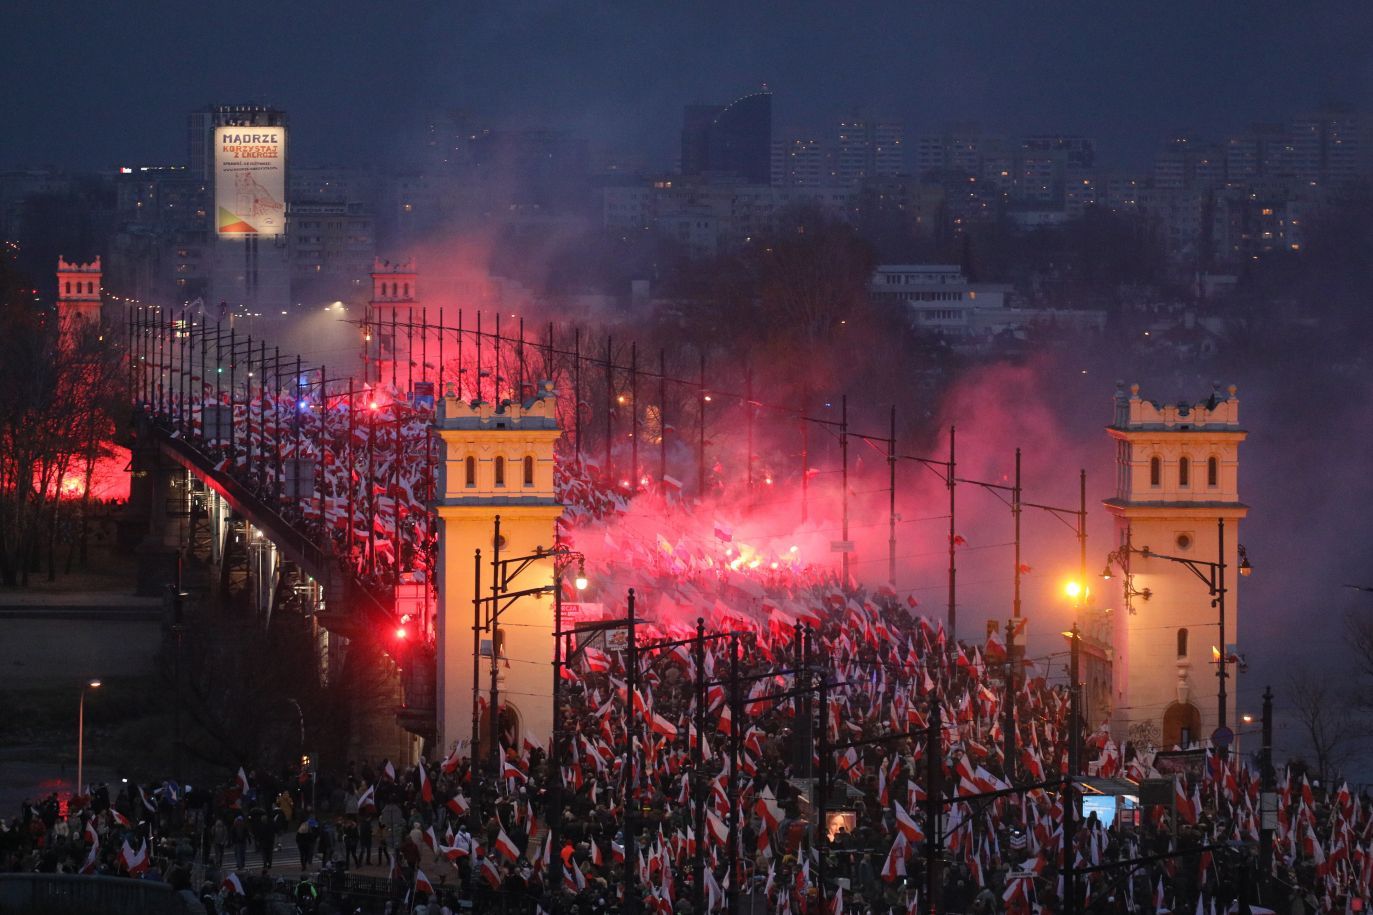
(95, 85)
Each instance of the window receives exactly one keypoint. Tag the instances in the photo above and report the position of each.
(1184, 472)
(500, 471)
(407, 290)
(1182, 643)
(1212, 472)
(471, 463)
(528, 470)
(69, 287)
(1155, 471)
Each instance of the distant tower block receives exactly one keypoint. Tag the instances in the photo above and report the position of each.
(78, 294)
(392, 308)
(1177, 474)
(497, 460)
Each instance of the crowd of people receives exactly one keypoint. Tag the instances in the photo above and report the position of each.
(614, 813)
(448, 833)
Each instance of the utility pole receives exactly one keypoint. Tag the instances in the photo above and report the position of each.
(630, 804)
(1069, 784)
(1268, 798)
(1008, 726)
(698, 778)
(934, 806)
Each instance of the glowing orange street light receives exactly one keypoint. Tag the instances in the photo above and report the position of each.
(1073, 589)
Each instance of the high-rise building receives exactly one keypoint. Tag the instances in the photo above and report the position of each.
(200, 131)
(869, 148)
(733, 139)
(1329, 147)
(248, 272)
(800, 161)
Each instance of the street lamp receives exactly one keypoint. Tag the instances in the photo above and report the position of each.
(1211, 574)
(81, 734)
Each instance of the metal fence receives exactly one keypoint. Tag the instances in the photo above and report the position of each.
(60, 894)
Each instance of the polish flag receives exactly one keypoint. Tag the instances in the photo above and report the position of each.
(492, 872)
(232, 884)
(597, 661)
(450, 765)
(430, 839)
(120, 819)
(506, 847)
(660, 725)
(388, 771)
(768, 808)
(426, 787)
(718, 830)
(910, 830)
(461, 848)
(368, 799)
(422, 884)
(134, 862)
(88, 866)
(242, 780)
(895, 865)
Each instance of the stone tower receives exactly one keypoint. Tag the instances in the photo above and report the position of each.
(1177, 476)
(78, 294)
(395, 299)
(497, 460)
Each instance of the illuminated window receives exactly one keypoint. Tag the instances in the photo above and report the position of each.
(1212, 472)
(500, 471)
(471, 471)
(1184, 472)
(528, 470)
(1155, 471)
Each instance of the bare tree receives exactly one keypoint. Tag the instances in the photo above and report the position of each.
(1321, 711)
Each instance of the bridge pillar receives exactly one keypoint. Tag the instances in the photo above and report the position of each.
(150, 527)
(497, 460)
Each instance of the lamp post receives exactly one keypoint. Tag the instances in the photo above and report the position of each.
(81, 734)
(1211, 574)
(504, 571)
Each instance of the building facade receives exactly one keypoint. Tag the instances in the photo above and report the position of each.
(1177, 495)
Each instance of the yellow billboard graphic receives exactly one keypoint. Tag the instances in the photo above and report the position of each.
(250, 180)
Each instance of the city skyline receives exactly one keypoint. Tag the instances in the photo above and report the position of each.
(1124, 77)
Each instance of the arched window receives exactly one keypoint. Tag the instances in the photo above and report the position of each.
(1155, 471)
(1212, 472)
(1182, 643)
(528, 470)
(1184, 472)
(500, 471)
(471, 463)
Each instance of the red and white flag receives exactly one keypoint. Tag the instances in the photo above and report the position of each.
(422, 884)
(910, 830)
(135, 862)
(426, 786)
(242, 780)
(506, 847)
(458, 804)
(232, 884)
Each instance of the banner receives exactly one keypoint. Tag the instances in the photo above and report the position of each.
(250, 180)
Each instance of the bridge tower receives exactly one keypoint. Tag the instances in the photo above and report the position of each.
(497, 460)
(78, 294)
(1177, 476)
(395, 299)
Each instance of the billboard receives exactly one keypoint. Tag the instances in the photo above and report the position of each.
(250, 181)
